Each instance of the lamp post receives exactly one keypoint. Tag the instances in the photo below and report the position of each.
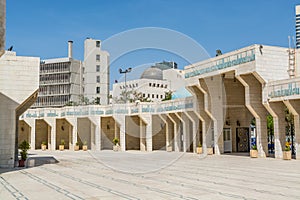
(122, 140)
(125, 72)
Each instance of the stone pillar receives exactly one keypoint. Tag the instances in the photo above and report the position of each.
(176, 132)
(213, 90)
(277, 110)
(2, 25)
(120, 119)
(142, 136)
(203, 116)
(185, 132)
(147, 118)
(73, 136)
(164, 119)
(31, 122)
(294, 108)
(52, 125)
(95, 134)
(253, 101)
(195, 126)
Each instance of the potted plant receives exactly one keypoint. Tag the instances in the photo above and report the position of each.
(24, 147)
(116, 146)
(76, 147)
(210, 150)
(62, 145)
(254, 152)
(199, 148)
(287, 153)
(84, 146)
(44, 146)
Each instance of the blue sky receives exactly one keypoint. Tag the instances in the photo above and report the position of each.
(43, 27)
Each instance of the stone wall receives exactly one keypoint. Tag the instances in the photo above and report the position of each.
(24, 132)
(41, 133)
(158, 134)
(107, 132)
(132, 133)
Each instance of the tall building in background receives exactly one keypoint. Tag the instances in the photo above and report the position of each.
(96, 72)
(153, 85)
(60, 81)
(298, 26)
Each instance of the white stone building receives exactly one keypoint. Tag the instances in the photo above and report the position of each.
(60, 81)
(96, 72)
(229, 91)
(19, 79)
(153, 84)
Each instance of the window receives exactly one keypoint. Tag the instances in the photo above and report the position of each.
(144, 95)
(148, 95)
(153, 84)
(161, 96)
(97, 68)
(150, 84)
(98, 44)
(98, 90)
(157, 96)
(152, 95)
(98, 79)
(157, 85)
(98, 57)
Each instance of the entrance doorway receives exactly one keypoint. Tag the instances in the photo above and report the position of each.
(227, 140)
(242, 139)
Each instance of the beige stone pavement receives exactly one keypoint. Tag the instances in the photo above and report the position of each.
(145, 175)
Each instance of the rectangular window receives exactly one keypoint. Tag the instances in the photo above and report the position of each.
(148, 95)
(98, 44)
(161, 96)
(152, 95)
(98, 79)
(98, 68)
(98, 57)
(144, 95)
(98, 90)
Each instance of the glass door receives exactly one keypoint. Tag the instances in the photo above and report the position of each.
(227, 140)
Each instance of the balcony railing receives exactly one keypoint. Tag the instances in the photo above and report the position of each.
(178, 105)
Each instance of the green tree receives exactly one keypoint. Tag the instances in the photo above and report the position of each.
(168, 96)
(270, 125)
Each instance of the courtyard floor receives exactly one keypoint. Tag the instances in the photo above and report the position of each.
(145, 175)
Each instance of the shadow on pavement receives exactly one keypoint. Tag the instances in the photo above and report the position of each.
(35, 161)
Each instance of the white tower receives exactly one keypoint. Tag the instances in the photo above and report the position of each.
(96, 72)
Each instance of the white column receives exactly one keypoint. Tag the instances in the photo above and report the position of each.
(167, 132)
(184, 129)
(176, 145)
(95, 134)
(52, 123)
(31, 122)
(194, 130)
(147, 118)
(142, 136)
(120, 119)
(73, 136)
